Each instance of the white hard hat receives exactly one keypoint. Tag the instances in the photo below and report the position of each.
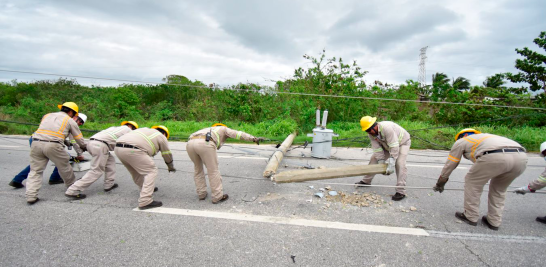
(83, 117)
(543, 147)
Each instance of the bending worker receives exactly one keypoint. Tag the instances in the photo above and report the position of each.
(202, 148)
(55, 178)
(47, 144)
(103, 162)
(135, 150)
(496, 159)
(537, 184)
(390, 142)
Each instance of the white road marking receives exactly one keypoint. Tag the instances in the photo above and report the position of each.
(432, 166)
(10, 146)
(290, 221)
(237, 157)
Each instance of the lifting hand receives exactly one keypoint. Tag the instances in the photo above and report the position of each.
(440, 184)
(523, 190)
(390, 166)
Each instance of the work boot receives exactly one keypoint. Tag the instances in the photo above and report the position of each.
(398, 197)
(78, 196)
(203, 197)
(16, 185)
(463, 218)
(52, 182)
(224, 198)
(152, 205)
(541, 219)
(111, 188)
(361, 184)
(32, 202)
(155, 189)
(486, 222)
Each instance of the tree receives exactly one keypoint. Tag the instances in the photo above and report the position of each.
(439, 79)
(461, 83)
(495, 81)
(532, 67)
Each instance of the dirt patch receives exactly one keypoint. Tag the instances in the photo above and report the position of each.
(357, 199)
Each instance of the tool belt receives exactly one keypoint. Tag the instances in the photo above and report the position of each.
(93, 139)
(504, 150)
(40, 140)
(127, 146)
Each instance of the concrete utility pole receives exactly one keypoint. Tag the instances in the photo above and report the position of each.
(422, 69)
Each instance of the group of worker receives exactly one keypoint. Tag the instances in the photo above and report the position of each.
(497, 160)
(135, 147)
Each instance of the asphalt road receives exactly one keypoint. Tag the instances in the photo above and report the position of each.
(262, 223)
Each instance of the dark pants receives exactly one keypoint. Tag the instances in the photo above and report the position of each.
(19, 178)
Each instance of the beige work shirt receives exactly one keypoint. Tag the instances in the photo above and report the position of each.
(473, 147)
(390, 138)
(219, 135)
(111, 135)
(150, 140)
(57, 126)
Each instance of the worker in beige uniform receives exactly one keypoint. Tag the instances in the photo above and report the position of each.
(497, 160)
(103, 162)
(537, 184)
(391, 144)
(201, 148)
(135, 150)
(47, 144)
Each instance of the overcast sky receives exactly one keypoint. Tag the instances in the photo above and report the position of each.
(227, 42)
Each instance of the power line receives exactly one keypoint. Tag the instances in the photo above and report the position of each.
(278, 92)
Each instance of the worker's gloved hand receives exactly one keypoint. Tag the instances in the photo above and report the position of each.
(381, 161)
(171, 167)
(257, 140)
(523, 190)
(440, 184)
(79, 158)
(391, 163)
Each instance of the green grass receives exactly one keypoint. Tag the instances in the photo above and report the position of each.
(277, 130)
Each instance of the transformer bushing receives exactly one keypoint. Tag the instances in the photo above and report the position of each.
(322, 138)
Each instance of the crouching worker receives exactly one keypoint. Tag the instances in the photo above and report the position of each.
(99, 146)
(135, 150)
(537, 184)
(47, 144)
(202, 148)
(497, 160)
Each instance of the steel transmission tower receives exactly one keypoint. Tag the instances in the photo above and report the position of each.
(422, 69)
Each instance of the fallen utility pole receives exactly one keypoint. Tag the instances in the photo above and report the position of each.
(276, 158)
(321, 174)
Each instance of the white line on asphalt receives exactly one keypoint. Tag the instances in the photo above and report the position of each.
(260, 158)
(10, 146)
(432, 166)
(290, 221)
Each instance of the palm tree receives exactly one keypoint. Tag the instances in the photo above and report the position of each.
(439, 79)
(494, 81)
(461, 83)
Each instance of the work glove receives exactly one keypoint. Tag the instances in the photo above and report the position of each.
(391, 163)
(523, 190)
(381, 161)
(440, 184)
(171, 167)
(80, 158)
(257, 140)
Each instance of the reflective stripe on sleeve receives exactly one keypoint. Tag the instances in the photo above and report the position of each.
(239, 133)
(452, 158)
(166, 152)
(378, 150)
(542, 179)
(395, 144)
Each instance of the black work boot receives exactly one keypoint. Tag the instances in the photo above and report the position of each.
(52, 182)
(111, 188)
(155, 189)
(463, 218)
(16, 185)
(154, 204)
(398, 197)
(78, 196)
(541, 219)
(486, 222)
(224, 198)
(32, 202)
(361, 184)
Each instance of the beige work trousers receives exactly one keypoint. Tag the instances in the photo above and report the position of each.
(501, 169)
(143, 170)
(40, 154)
(102, 163)
(203, 152)
(400, 167)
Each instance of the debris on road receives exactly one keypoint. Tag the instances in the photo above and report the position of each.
(357, 199)
(332, 193)
(319, 194)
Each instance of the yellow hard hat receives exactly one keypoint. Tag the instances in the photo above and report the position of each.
(130, 122)
(366, 122)
(467, 130)
(219, 124)
(70, 105)
(162, 128)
